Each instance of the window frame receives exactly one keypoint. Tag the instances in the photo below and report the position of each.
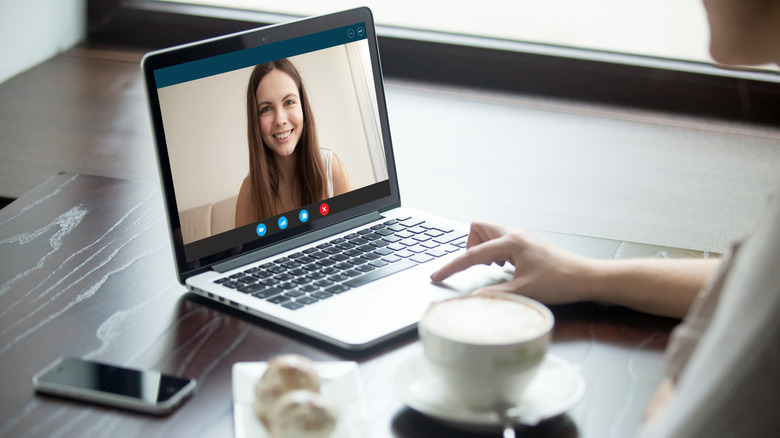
(532, 69)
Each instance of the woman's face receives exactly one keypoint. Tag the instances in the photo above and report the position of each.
(280, 112)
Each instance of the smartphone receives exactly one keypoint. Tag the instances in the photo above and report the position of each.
(145, 391)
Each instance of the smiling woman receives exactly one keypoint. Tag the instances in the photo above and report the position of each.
(287, 168)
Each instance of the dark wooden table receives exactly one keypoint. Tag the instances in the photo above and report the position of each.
(86, 270)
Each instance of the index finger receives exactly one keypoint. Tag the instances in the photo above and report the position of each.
(496, 250)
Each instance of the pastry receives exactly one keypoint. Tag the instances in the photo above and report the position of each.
(302, 414)
(285, 373)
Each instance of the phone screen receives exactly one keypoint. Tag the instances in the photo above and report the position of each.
(71, 376)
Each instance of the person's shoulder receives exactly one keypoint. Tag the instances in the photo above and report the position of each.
(245, 186)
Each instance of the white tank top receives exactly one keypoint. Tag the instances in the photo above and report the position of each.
(327, 160)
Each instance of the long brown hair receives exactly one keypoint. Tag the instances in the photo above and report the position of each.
(263, 174)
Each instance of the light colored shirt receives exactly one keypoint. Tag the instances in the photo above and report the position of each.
(725, 356)
(327, 162)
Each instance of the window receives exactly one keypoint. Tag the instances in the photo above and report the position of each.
(651, 55)
(674, 29)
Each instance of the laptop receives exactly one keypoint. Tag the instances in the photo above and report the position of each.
(344, 262)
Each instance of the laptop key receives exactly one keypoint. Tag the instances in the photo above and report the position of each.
(379, 263)
(421, 258)
(360, 241)
(442, 228)
(392, 258)
(449, 237)
(404, 234)
(337, 289)
(356, 261)
(417, 249)
(380, 273)
(321, 295)
(411, 222)
(295, 293)
(277, 269)
(436, 252)
(396, 227)
(450, 248)
(251, 288)
(434, 233)
(315, 276)
(293, 305)
(389, 239)
(403, 253)
(278, 299)
(395, 246)
(267, 292)
(306, 300)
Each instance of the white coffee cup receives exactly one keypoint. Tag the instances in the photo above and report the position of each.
(486, 348)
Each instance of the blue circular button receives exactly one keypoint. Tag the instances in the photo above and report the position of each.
(303, 215)
(282, 223)
(261, 229)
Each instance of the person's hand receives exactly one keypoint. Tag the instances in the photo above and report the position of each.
(543, 271)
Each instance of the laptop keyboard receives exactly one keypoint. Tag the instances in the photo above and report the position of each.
(344, 263)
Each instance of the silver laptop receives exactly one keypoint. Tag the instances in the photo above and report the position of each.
(343, 262)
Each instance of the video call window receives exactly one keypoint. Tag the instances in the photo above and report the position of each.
(207, 132)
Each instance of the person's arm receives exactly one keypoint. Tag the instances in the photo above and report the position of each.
(665, 287)
(554, 275)
(341, 182)
(244, 210)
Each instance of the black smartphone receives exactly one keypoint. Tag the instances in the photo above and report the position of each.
(140, 390)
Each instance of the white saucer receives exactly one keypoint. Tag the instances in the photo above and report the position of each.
(555, 390)
(341, 382)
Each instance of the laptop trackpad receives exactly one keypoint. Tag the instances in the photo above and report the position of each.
(387, 307)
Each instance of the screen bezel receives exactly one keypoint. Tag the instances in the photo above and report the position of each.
(389, 198)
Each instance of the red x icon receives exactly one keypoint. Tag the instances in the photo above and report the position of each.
(324, 209)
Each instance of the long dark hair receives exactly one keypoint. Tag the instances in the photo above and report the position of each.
(263, 174)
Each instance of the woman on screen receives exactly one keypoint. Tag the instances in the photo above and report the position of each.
(287, 168)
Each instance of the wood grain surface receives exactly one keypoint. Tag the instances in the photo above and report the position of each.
(86, 271)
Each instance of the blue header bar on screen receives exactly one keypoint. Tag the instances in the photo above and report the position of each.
(205, 67)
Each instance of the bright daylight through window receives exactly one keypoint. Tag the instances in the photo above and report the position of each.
(675, 29)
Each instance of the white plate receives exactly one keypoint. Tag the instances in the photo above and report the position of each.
(340, 381)
(555, 390)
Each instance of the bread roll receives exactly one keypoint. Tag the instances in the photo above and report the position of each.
(302, 414)
(285, 373)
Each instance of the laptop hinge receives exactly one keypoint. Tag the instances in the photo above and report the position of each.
(296, 242)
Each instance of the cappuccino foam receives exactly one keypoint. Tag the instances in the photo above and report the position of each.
(484, 320)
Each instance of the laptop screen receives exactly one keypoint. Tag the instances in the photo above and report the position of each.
(280, 136)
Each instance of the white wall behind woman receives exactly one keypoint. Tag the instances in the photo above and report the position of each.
(32, 31)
